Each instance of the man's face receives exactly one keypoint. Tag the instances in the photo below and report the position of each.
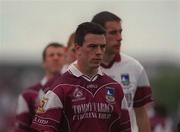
(71, 54)
(90, 54)
(54, 59)
(113, 36)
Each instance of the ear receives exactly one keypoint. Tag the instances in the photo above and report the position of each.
(77, 49)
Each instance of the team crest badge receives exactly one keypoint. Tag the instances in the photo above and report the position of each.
(77, 93)
(125, 80)
(110, 95)
(42, 105)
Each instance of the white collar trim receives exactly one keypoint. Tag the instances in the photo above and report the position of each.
(76, 72)
(44, 81)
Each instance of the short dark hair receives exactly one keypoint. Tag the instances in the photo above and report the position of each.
(105, 16)
(86, 28)
(52, 44)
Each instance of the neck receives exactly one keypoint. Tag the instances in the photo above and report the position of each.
(50, 75)
(86, 70)
(108, 58)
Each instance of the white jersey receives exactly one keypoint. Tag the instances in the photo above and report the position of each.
(132, 76)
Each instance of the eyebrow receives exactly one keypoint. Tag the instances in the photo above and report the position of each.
(115, 31)
(96, 45)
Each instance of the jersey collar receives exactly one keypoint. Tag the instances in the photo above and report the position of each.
(44, 81)
(76, 72)
(117, 58)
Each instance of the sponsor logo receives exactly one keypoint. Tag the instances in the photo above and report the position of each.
(110, 95)
(91, 86)
(98, 110)
(42, 105)
(125, 80)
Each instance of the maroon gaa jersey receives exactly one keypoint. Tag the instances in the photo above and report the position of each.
(86, 104)
(27, 104)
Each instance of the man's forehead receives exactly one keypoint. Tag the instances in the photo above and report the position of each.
(55, 49)
(94, 37)
(113, 25)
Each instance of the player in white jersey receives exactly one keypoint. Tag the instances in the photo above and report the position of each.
(127, 71)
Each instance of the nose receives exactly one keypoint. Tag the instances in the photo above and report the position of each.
(56, 56)
(118, 36)
(99, 50)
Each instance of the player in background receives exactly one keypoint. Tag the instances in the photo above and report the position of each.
(53, 60)
(89, 100)
(125, 70)
(70, 53)
(160, 121)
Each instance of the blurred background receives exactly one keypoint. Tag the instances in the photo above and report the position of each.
(151, 34)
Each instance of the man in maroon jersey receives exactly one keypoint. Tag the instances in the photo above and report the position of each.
(53, 59)
(84, 97)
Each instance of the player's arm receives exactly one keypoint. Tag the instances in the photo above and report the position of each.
(23, 115)
(142, 119)
(143, 96)
(49, 113)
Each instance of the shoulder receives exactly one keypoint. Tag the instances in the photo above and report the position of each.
(131, 61)
(32, 90)
(109, 81)
(29, 95)
(66, 78)
(50, 83)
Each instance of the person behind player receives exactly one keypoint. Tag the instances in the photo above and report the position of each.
(70, 54)
(125, 70)
(87, 99)
(53, 59)
(160, 121)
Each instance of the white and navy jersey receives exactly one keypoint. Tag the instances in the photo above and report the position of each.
(86, 104)
(132, 77)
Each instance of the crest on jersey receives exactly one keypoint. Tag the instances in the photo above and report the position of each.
(125, 79)
(42, 105)
(77, 93)
(110, 95)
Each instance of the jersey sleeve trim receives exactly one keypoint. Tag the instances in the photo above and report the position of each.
(142, 97)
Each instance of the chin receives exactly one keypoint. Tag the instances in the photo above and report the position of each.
(117, 51)
(96, 66)
(56, 71)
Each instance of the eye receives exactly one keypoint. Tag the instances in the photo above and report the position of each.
(103, 46)
(114, 32)
(51, 55)
(59, 54)
(93, 46)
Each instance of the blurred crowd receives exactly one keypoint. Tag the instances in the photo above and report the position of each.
(13, 79)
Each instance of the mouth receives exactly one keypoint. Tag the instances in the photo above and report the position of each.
(117, 46)
(97, 60)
